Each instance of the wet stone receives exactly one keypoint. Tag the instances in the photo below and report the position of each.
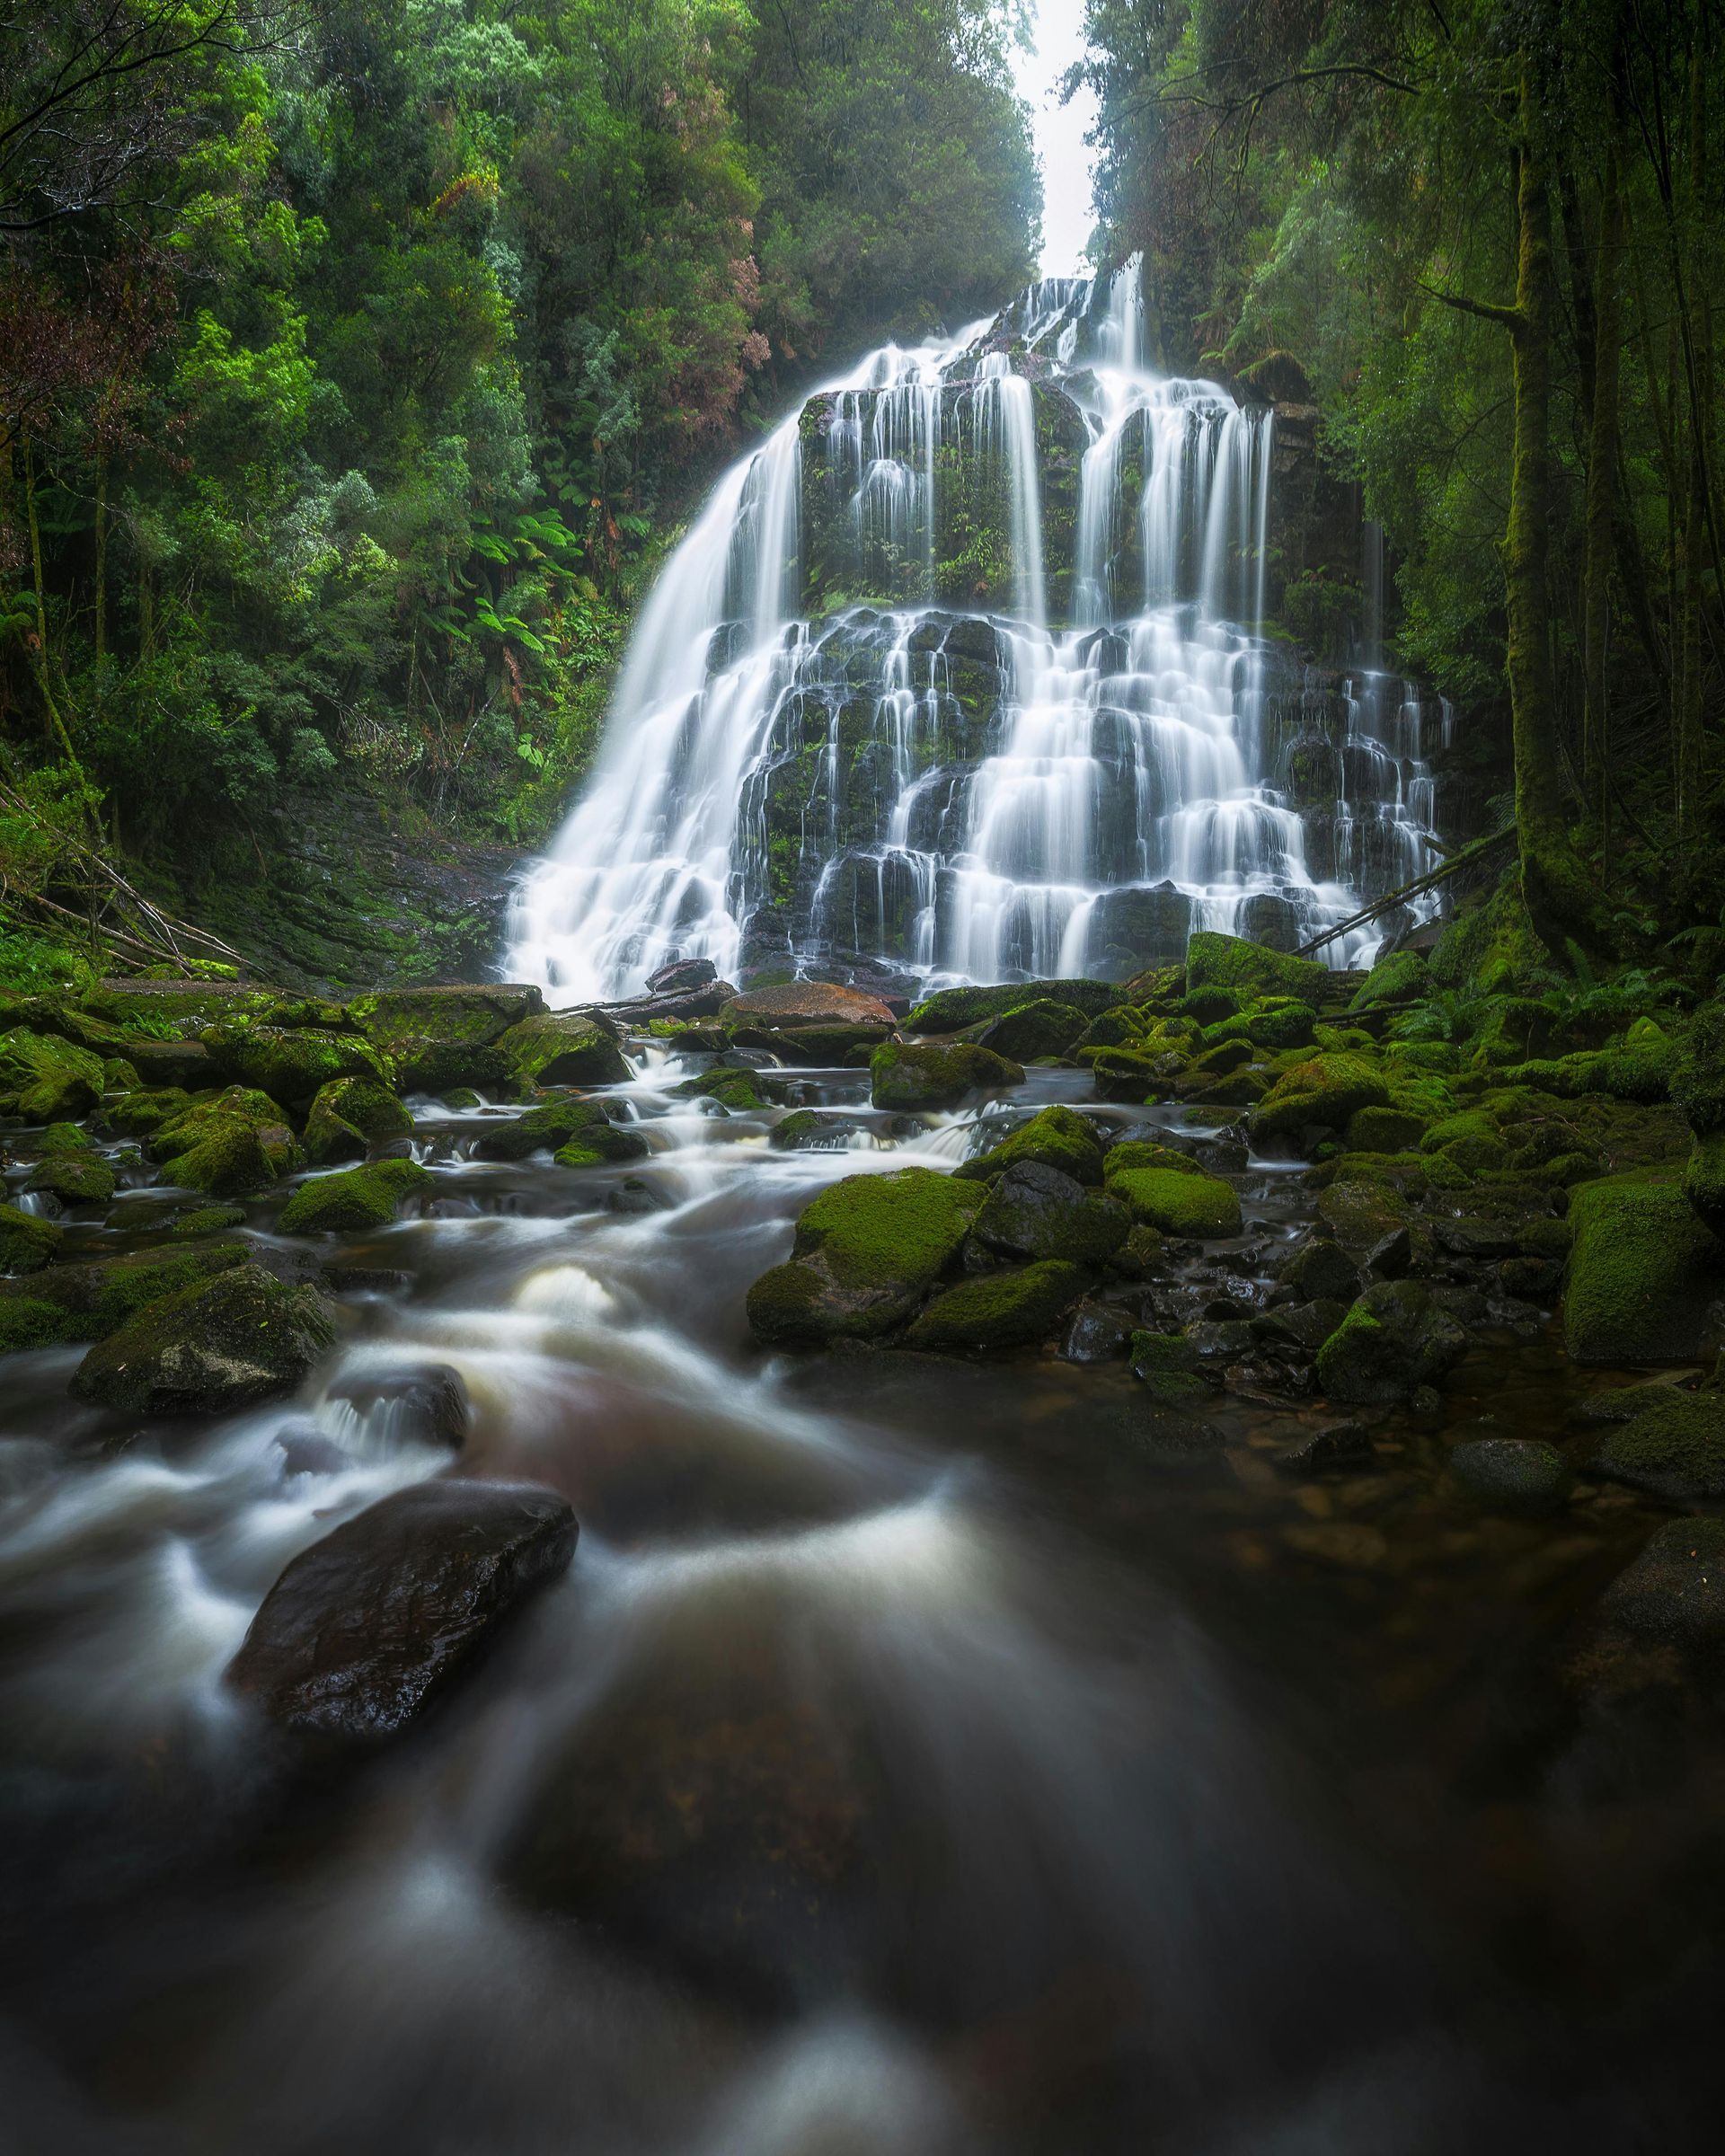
(1338, 1445)
(1511, 1474)
(422, 1404)
(1099, 1333)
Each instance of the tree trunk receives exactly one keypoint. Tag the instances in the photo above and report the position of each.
(102, 464)
(1558, 891)
(1602, 478)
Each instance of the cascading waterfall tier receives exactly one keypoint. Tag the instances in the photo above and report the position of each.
(962, 676)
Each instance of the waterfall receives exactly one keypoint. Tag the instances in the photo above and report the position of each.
(961, 675)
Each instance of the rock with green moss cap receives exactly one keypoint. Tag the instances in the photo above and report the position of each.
(866, 1251)
(1384, 1129)
(141, 1114)
(1325, 1090)
(1398, 977)
(1178, 1202)
(290, 1063)
(737, 1091)
(347, 1117)
(1000, 1310)
(1673, 1445)
(1042, 1028)
(44, 1078)
(1035, 1211)
(1511, 1474)
(1273, 1023)
(240, 1338)
(913, 1075)
(1248, 971)
(75, 1178)
(1147, 1072)
(94, 1298)
(560, 1123)
(1129, 1154)
(562, 1049)
(1393, 1341)
(351, 1199)
(1056, 1137)
(228, 1145)
(1674, 1591)
(440, 1039)
(953, 1010)
(1167, 1364)
(1471, 1139)
(1116, 1028)
(67, 1138)
(27, 1241)
(1644, 1273)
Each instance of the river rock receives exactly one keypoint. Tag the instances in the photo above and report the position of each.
(228, 1145)
(1395, 1339)
(371, 1626)
(1015, 1309)
(27, 1241)
(911, 1076)
(805, 1003)
(1324, 1089)
(437, 1038)
(682, 977)
(1040, 1028)
(866, 1251)
(1177, 1201)
(1058, 1137)
(1511, 1474)
(44, 1078)
(557, 1124)
(350, 1198)
(290, 1063)
(420, 1403)
(89, 1300)
(1674, 1591)
(210, 1348)
(1359, 1215)
(1644, 1275)
(1672, 1443)
(1319, 1270)
(561, 1048)
(1337, 1447)
(1033, 1211)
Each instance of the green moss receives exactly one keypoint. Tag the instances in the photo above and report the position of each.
(1675, 1447)
(1471, 1139)
(28, 1323)
(351, 1199)
(290, 1064)
(560, 1048)
(1644, 1271)
(1001, 1311)
(1384, 1129)
(873, 1229)
(560, 1124)
(44, 1078)
(1141, 1074)
(1698, 1074)
(141, 1114)
(27, 1241)
(1167, 1364)
(228, 1145)
(1703, 1181)
(1249, 971)
(1114, 1028)
(1270, 1022)
(1399, 979)
(94, 1299)
(75, 1180)
(1130, 1154)
(64, 1137)
(213, 1347)
(1045, 1027)
(1492, 948)
(1177, 1202)
(1056, 1137)
(951, 1010)
(1328, 1090)
(733, 1090)
(911, 1075)
(205, 1220)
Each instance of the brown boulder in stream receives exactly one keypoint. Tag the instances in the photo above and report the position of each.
(807, 1003)
(364, 1630)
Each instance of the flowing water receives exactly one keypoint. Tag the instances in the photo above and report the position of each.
(916, 1758)
(963, 676)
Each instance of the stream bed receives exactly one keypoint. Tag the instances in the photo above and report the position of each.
(915, 1756)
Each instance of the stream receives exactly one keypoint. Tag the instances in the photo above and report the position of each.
(914, 1758)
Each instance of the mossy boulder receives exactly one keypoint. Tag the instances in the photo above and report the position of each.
(1036, 1212)
(913, 1075)
(558, 1124)
(348, 1117)
(211, 1348)
(27, 1241)
(290, 1063)
(1249, 971)
(1674, 1593)
(351, 1199)
(1644, 1273)
(1320, 1271)
(953, 1009)
(228, 1145)
(64, 1137)
(1359, 1212)
(1400, 977)
(866, 1251)
(1384, 1129)
(1471, 1139)
(1703, 1181)
(1491, 946)
(1000, 1310)
(44, 1078)
(1271, 1023)
(1178, 1202)
(1167, 1364)
(1325, 1090)
(1114, 1028)
(1394, 1339)
(92, 1299)
(737, 1091)
(1042, 1028)
(1056, 1137)
(1673, 1445)
(561, 1048)
(1145, 1072)
(140, 1114)
(1511, 1474)
(75, 1178)
(439, 1038)
(1129, 1155)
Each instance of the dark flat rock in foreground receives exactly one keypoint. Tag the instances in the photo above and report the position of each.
(368, 1627)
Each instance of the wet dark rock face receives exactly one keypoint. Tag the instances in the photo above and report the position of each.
(372, 1625)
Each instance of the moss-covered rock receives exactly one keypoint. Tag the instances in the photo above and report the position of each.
(364, 1105)
(867, 1251)
(1326, 1090)
(1056, 1137)
(1321, 1271)
(27, 1241)
(64, 1137)
(75, 1178)
(1178, 1202)
(142, 1113)
(1394, 1339)
(210, 1348)
(351, 1199)
(1703, 1181)
(1511, 1474)
(1116, 1028)
(1000, 1310)
(953, 1010)
(561, 1048)
(1042, 1029)
(1384, 1129)
(1400, 977)
(1249, 971)
(45, 1079)
(1142, 1073)
(1167, 1364)
(290, 1063)
(909, 1075)
(1272, 1023)
(737, 1091)
(560, 1123)
(1492, 947)
(1674, 1593)
(1673, 1444)
(1034, 1211)
(94, 1299)
(228, 1145)
(1643, 1274)
(1127, 1155)
(1471, 1139)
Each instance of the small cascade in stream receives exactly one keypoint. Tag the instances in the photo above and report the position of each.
(962, 676)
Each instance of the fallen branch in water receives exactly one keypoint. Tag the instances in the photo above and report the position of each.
(1468, 855)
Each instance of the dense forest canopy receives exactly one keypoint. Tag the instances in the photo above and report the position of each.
(1487, 233)
(355, 354)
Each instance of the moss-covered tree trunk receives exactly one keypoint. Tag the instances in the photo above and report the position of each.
(1603, 453)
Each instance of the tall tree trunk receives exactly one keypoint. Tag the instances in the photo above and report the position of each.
(1558, 891)
(102, 467)
(1602, 476)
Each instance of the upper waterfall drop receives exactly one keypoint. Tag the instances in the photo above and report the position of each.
(961, 675)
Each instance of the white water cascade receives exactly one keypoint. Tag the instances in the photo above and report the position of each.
(961, 676)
